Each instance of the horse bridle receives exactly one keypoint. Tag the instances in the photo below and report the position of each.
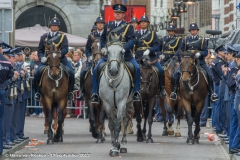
(148, 83)
(54, 65)
(189, 72)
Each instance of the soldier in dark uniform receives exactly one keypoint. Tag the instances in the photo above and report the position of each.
(6, 72)
(118, 27)
(170, 45)
(99, 23)
(134, 23)
(218, 78)
(94, 28)
(147, 45)
(194, 43)
(54, 37)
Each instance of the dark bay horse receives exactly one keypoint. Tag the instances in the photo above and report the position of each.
(149, 90)
(96, 117)
(54, 91)
(192, 93)
(172, 106)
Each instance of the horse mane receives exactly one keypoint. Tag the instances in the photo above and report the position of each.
(172, 64)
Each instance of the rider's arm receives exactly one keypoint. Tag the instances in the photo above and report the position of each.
(155, 44)
(88, 50)
(204, 51)
(130, 38)
(64, 46)
(103, 38)
(41, 47)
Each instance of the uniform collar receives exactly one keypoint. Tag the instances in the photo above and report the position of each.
(100, 32)
(52, 34)
(193, 37)
(118, 23)
(141, 31)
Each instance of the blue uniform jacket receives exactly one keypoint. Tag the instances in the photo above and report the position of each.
(153, 46)
(129, 38)
(216, 67)
(175, 45)
(88, 50)
(231, 79)
(199, 44)
(63, 48)
(6, 71)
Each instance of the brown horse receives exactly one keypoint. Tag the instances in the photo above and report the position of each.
(172, 106)
(96, 117)
(192, 93)
(54, 93)
(149, 90)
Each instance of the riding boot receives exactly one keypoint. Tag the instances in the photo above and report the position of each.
(162, 92)
(173, 95)
(81, 95)
(214, 96)
(71, 88)
(37, 96)
(95, 98)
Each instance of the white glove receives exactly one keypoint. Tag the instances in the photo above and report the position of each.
(104, 51)
(146, 53)
(89, 58)
(44, 60)
(162, 56)
(197, 55)
(123, 50)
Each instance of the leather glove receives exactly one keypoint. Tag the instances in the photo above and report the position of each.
(197, 55)
(89, 58)
(146, 53)
(44, 60)
(123, 50)
(104, 51)
(162, 56)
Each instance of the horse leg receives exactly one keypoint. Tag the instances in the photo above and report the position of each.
(46, 121)
(152, 102)
(170, 116)
(111, 124)
(146, 112)
(137, 108)
(54, 125)
(50, 132)
(58, 137)
(101, 116)
(198, 112)
(187, 107)
(179, 114)
(92, 121)
(161, 104)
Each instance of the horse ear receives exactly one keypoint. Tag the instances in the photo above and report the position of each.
(92, 37)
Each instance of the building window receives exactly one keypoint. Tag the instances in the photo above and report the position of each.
(155, 4)
(161, 3)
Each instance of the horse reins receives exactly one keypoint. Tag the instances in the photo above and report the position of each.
(150, 81)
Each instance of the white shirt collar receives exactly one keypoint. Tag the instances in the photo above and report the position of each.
(118, 23)
(100, 32)
(143, 30)
(52, 33)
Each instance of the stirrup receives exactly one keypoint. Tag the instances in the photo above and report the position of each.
(136, 96)
(214, 97)
(81, 96)
(75, 88)
(37, 97)
(162, 93)
(95, 98)
(70, 96)
(173, 96)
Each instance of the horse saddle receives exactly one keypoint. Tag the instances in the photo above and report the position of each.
(131, 70)
(205, 75)
(157, 72)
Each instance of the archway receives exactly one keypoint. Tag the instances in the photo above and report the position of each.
(39, 15)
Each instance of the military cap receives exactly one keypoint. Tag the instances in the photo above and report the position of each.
(8, 52)
(134, 20)
(220, 48)
(171, 27)
(5, 46)
(99, 20)
(119, 8)
(94, 27)
(193, 26)
(54, 21)
(237, 55)
(18, 51)
(144, 18)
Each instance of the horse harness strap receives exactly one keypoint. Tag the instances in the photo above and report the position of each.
(155, 72)
(40, 83)
(56, 81)
(129, 73)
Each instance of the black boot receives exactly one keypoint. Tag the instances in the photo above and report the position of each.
(81, 95)
(162, 92)
(71, 88)
(37, 96)
(136, 96)
(173, 95)
(214, 96)
(95, 98)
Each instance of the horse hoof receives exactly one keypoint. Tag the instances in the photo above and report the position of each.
(139, 139)
(56, 139)
(45, 132)
(123, 150)
(178, 134)
(103, 138)
(190, 141)
(114, 153)
(60, 139)
(196, 140)
(150, 140)
(94, 135)
(50, 141)
(165, 133)
(170, 132)
(99, 141)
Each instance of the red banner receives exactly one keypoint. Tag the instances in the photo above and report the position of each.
(132, 10)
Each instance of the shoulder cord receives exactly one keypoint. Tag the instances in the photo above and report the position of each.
(147, 43)
(173, 47)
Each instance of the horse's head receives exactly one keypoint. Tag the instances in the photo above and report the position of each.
(146, 78)
(54, 60)
(187, 65)
(96, 49)
(145, 62)
(115, 55)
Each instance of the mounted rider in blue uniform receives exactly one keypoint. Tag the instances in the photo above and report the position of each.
(98, 30)
(54, 37)
(147, 45)
(118, 27)
(195, 43)
(169, 45)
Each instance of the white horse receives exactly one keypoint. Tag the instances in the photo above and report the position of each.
(116, 95)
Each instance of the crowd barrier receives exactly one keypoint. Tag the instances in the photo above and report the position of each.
(79, 105)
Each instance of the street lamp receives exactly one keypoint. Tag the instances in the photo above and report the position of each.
(174, 12)
(182, 7)
(190, 2)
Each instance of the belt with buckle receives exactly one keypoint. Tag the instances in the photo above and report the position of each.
(142, 48)
(193, 51)
(168, 52)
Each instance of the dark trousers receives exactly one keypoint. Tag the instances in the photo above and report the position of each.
(21, 121)
(203, 117)
(2, 99)
(15, 120)
(7, 122)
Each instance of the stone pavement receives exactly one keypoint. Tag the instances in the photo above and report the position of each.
(77, 139)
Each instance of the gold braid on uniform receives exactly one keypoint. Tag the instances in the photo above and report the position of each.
(124, 33)
(56, 45)
(202, 43)
(147, 43)
(173, 47)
